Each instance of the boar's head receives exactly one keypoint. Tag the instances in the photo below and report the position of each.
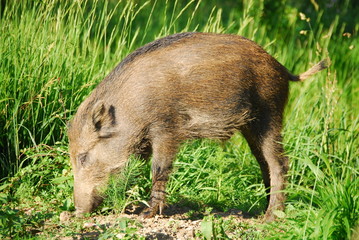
(94, 153)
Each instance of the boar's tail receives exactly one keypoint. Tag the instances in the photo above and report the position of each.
(316, 68)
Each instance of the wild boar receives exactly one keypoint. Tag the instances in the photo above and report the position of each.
(184, 86)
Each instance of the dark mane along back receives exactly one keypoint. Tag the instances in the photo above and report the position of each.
(153, 46)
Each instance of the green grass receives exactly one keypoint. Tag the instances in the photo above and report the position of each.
(53, 54)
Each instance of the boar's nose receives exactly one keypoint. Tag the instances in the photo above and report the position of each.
(94, 202)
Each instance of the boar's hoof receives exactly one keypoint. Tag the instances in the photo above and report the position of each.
(65, 216)
(155, 207)
(79, 214)
(149, 212)
(273, 215)
(269, 217)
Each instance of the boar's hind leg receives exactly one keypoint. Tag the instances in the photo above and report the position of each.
(164, 151)
(267, 148)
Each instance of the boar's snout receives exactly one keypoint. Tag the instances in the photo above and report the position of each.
(86, 203)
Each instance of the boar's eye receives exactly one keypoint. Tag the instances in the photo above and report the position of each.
(81, 158)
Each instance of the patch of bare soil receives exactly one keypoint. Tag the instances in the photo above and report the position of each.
(174, 224)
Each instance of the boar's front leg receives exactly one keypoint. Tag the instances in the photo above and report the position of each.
(164, 149)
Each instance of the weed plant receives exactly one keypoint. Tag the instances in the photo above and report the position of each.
(53, 53)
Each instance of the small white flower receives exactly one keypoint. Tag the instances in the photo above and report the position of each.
(348, 35)
(302, 16)
(303, 32)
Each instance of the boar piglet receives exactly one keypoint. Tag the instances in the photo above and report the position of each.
(184, 86)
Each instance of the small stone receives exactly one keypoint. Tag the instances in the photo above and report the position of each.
(89, 225)
(121, 235)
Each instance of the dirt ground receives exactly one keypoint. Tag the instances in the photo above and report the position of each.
(174, 224)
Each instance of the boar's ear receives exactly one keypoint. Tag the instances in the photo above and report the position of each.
(103, 119)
